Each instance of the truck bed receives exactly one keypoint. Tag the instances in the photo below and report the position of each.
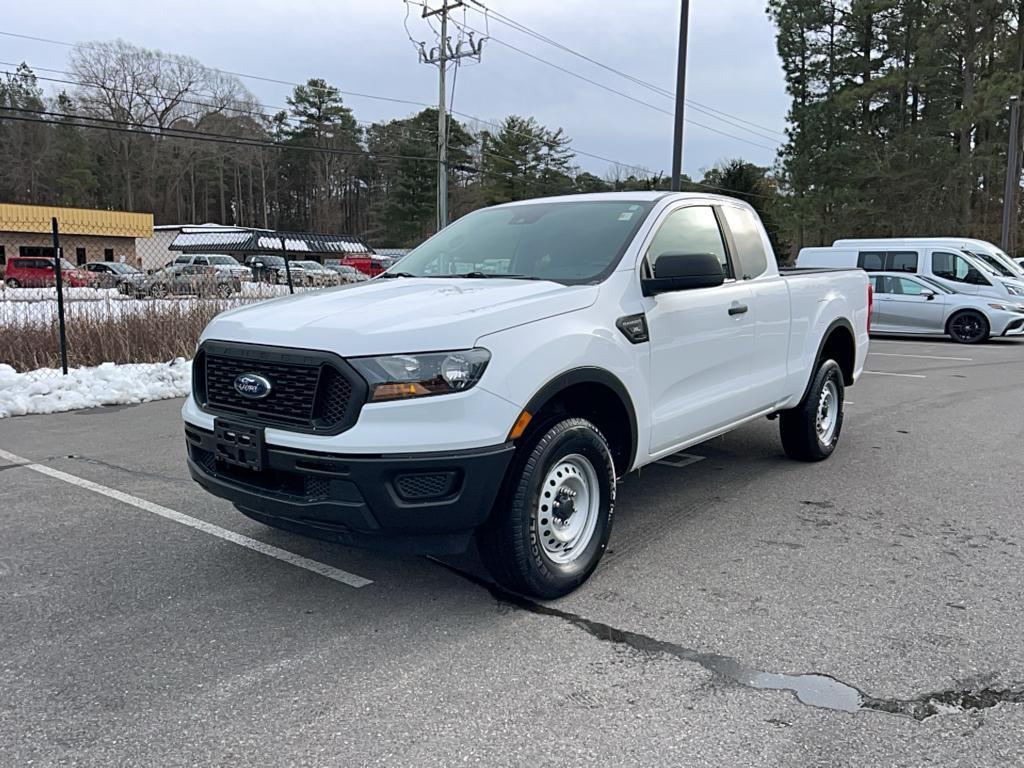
(798, 271)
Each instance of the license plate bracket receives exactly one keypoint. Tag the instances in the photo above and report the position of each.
(240, 445)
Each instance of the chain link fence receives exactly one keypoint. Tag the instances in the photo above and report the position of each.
(70, 300)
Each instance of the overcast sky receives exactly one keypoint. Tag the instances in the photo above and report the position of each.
(361, 45)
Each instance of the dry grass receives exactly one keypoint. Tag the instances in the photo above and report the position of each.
(163, 331)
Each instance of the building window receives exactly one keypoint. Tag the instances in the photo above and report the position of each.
(108, 254)
(35, 250)
(80, 256)
(3, 256)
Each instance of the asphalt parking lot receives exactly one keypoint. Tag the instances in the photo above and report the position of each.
(751, 610)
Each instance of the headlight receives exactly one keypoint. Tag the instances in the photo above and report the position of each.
(1013, 290)
(399, 377)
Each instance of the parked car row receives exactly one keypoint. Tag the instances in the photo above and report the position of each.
(967, 289)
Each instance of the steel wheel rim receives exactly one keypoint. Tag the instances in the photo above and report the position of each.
(827, 418)
(568, 509)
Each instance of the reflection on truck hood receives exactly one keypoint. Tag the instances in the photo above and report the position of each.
(400, 314)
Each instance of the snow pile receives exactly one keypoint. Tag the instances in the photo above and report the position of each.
(46, 391)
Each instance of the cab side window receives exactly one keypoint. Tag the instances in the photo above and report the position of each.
(690, 230)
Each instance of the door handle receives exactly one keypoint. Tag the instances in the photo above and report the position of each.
(738, 309)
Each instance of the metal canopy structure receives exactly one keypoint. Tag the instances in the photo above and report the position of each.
(236, 241)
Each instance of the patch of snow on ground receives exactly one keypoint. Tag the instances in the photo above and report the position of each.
(46, 391)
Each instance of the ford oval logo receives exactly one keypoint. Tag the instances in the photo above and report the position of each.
(252, 386)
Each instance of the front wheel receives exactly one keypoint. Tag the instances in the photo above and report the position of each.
(13, 283)
(968, 327)
(548, 534)
(810, 432)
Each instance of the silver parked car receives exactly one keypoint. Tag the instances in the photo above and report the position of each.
(347, 273)
(317, 274)
(914, 304)
(189, 280)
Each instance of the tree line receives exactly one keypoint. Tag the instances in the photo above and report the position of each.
(899, 119)
(140, 130)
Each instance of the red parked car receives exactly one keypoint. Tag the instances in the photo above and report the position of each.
(368, 265)
(38, 272)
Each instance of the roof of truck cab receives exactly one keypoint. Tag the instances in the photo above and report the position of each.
(625, 197)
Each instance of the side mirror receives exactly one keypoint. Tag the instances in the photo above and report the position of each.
(930, 295)
(683, 271)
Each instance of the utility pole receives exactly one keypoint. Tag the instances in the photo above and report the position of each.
(1012, 180)
(440, 56)
(677, 146)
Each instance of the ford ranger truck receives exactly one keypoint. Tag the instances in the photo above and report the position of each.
(499, 380)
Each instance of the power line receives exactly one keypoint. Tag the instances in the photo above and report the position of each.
(213, 106)
(464, 115)
(488, 13)
(141, 129)
(617, 92)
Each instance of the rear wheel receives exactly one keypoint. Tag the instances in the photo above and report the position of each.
(13, 282)
(548, 533)
(810, 432)
(968, 327)
(158, 291)
(224, 290)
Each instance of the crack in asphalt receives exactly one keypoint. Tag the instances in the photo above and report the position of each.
(813, 689)
(117, 467)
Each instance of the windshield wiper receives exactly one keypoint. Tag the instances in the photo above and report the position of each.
(396, 274)
(493, 276)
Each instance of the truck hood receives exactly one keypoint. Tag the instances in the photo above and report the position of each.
(399, 315)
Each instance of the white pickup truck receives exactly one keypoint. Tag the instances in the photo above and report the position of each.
(499, 379)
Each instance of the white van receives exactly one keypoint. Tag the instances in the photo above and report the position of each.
(991, 254)
(952, 267)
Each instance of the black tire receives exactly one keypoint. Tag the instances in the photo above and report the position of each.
(224, 290)
(968, 327)
(799, 427)
(158, 291)
(509, 542)
(12, 282)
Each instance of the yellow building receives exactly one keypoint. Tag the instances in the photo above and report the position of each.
(85, 234)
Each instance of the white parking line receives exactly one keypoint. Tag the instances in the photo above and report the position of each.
(901, 375)
(214, 530)
(922, 357)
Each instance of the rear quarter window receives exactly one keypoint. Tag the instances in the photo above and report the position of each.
(746, 235)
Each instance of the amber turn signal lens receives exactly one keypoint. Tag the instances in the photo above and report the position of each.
(398, 391)
(520, 426)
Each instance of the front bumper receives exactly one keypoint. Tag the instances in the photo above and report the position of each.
(425, 502)
(1015, 327)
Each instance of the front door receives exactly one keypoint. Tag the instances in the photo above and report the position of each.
(702, 340)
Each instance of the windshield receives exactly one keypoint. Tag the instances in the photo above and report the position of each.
(222, 260)
(268, 261)
(572, 242)
(124, 269)
(993, 262)
(933, 283)
(312, 265)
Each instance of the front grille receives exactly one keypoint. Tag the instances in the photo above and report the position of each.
(310, 391)
(425, 485)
